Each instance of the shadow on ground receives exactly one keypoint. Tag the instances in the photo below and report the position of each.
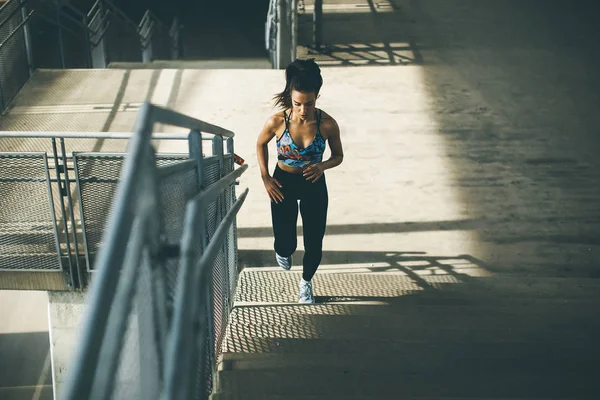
(25, 366)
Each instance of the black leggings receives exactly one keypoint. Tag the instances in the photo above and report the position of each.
(313, 208)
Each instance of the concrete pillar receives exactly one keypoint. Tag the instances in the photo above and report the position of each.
(283, 36)
(65, 311)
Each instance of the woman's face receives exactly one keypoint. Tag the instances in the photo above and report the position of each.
(303, 104)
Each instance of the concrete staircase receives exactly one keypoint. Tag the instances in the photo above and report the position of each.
(411, 334)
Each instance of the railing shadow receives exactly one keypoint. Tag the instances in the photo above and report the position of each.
(359, 33)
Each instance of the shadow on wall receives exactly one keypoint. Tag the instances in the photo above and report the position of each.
(365, 32)
(513, 88)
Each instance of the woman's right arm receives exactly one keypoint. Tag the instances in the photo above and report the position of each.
(266, 135)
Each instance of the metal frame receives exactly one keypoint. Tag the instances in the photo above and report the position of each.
(64, 190)
(136, 199)
(77, 270)
(54, 222)
(172, 168)
(282, 23)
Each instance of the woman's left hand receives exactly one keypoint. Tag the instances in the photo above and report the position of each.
(314, 172)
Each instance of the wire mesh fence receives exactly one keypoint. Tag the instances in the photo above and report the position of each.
(14, 64)
(158, 303)
(28, 229)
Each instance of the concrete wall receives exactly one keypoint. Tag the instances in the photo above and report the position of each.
(65, 311)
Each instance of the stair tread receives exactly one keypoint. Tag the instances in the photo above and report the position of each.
(449, 382)
(281, 286)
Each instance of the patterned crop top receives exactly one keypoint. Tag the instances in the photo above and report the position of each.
(290, 154)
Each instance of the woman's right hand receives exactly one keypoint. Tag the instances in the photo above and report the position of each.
(273, 186)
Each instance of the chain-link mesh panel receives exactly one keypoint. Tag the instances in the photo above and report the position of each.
(14, 66)
(139, 364)
(27, 226)
(232, 260)
(222, 274)
(175, 190)
(98, 177)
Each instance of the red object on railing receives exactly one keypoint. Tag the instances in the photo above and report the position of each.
(238, 160)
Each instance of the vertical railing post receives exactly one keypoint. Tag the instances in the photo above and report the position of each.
(27, 35)
(145, 32)
(60, 35)
(217, 147)
(2, 104)
(175, 35)
(65, 224)
(195, 149)
(294, 30)
(80, 282)
(88, 43)
(283, 35)
(230, 241)
(318, 24)
(221, 206)
(147, 52)
(98, 43)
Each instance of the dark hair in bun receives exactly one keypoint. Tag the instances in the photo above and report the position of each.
(301, 75)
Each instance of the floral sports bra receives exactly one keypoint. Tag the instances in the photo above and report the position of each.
(290, 154)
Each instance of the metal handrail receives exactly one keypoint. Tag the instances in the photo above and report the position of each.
(10, 35)
(211, 193)
(129, 201)
(187, 165)
(89, 135)
(193, 279)
(13, 12)
(170, 117)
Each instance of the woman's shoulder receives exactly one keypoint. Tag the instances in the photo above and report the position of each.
(275, 122)
(329, 125)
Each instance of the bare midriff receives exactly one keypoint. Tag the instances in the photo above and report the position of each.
(289, 169)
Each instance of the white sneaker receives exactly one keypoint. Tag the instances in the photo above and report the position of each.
(306, 292)
(284, 262)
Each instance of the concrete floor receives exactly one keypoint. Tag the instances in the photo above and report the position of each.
(472, 135)
(24, 346)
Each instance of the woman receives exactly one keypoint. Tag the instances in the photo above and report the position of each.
(301, 131)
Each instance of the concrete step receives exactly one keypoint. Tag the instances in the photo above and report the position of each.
(562, 313)
(265, 396)
(416, 358)
(416, 332)
(451, 382)
(257, 286)
(456, 345)
(233, 63)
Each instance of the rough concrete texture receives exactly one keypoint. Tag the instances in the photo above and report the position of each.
(66, 311)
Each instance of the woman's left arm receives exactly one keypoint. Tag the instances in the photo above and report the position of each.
(332, 130)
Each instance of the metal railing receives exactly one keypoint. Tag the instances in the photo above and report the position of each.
(160, 300)
(15, 55)
(74, 177)
(156, 39)
(281, 32)
(51, 34)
